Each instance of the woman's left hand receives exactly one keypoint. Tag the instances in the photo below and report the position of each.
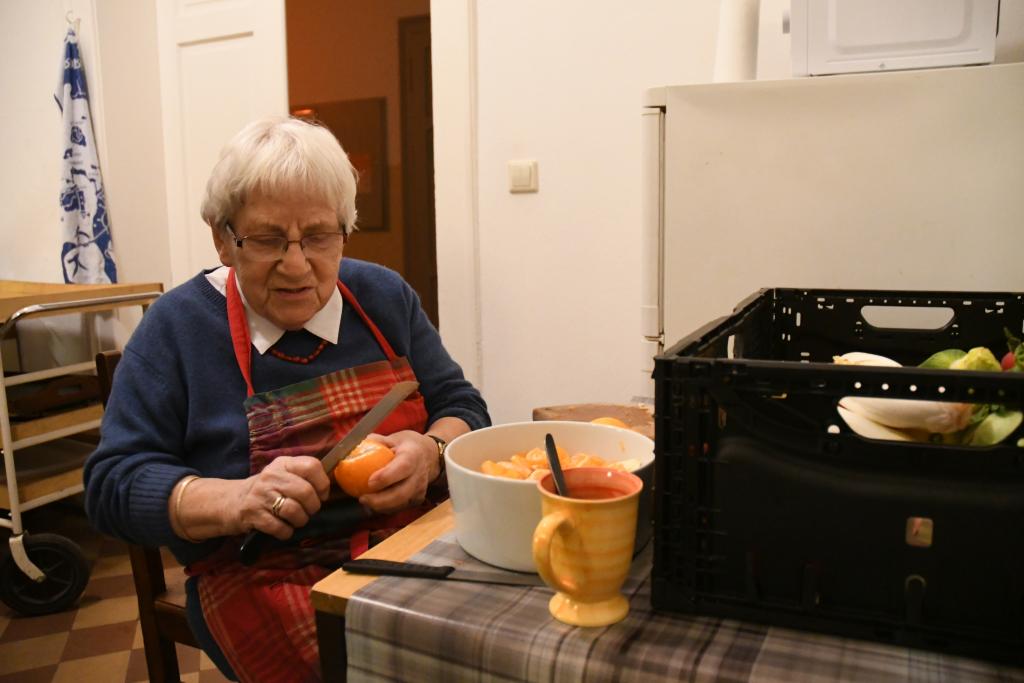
(402, 483)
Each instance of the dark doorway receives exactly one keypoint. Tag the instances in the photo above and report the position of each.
(418, 160)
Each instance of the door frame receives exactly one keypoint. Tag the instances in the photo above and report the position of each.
(419, 243)
(453, 26)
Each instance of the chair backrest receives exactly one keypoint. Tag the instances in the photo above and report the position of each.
(161, 612)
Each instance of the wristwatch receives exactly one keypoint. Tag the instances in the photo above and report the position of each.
(441, 445)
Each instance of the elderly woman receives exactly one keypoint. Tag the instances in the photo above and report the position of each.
(237, 381)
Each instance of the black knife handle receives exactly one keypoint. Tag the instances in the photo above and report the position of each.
(252, 546)
(408, 569)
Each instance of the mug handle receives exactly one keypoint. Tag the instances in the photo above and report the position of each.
(551, 524)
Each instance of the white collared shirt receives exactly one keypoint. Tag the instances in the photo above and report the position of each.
(325, 323)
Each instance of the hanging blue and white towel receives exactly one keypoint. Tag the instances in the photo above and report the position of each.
(88, 252)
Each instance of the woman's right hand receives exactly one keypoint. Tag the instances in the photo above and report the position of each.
(207, 507)
(304, 485)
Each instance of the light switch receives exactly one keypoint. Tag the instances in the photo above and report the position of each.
(522, 175)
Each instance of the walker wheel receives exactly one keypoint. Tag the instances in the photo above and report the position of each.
(66, 570)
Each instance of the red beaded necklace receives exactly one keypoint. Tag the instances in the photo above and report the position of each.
(300, 359)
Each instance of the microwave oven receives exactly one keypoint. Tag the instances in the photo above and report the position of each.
(847, 36)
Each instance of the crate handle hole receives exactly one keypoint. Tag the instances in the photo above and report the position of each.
(908, 317)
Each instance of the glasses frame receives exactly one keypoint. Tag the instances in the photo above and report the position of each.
(240, 241)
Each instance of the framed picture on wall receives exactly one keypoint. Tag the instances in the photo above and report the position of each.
(361, 127)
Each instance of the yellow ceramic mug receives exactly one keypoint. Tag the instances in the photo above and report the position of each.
(583, 546)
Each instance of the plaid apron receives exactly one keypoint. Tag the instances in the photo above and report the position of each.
(261, 616)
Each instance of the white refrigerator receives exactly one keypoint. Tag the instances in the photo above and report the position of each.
(897, 180)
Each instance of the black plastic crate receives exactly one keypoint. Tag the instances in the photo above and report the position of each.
(769, 508)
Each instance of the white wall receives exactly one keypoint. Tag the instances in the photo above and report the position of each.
(539, 293)
(30, 126)
(116, 38)
(456, 196)
(559, 292)
(134, 174)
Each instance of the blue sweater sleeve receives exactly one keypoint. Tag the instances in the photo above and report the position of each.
(130, 477)
(141, 456)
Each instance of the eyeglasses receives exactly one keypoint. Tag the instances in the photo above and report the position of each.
(274, 247)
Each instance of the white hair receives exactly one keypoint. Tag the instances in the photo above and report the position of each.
(281, 154)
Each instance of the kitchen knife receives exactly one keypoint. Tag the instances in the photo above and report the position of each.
(447, 572)
(254, 541)
(367, 424)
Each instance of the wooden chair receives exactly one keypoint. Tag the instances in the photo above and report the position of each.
(161, 608)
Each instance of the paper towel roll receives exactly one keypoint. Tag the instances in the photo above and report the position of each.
(736, 49)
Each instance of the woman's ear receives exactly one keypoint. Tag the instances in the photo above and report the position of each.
(225, 246)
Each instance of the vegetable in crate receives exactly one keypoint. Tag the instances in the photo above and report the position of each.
(929, 421)
(1013, 360)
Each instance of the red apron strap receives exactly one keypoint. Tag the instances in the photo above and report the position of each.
(242, 342)
(351, 299)
(239, 326)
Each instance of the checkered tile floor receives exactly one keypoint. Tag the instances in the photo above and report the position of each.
(99, 639)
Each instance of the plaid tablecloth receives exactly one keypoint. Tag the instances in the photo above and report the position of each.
(425, 630)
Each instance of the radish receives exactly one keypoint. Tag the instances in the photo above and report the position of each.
(1008, 361)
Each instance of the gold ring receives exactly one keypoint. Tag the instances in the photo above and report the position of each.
(275, 509)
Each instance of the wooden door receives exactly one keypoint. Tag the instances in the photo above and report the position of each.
(418, 160)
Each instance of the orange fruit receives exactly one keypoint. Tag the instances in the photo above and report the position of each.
(538, 457)
(611, 421)
(353, 473)
(587, 460)
(504, 468)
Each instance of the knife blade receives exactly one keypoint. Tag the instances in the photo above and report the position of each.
(252, 544)
(445, 572)
(367, 424)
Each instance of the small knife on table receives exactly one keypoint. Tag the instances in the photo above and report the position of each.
(447, 572)
(254, 541)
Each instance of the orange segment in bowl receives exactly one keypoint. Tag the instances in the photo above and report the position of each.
(533, 464)
(506, 469)
(587, 460)
(538, 457)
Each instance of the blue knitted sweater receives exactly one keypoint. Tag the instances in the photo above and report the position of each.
(176, 404)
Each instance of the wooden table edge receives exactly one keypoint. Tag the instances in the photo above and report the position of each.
(331, 593)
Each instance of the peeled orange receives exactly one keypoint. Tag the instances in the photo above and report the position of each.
(504, 468)
(611, 421)
(353, 473)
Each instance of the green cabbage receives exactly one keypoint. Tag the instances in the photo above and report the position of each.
(943, 359)
(978, 358)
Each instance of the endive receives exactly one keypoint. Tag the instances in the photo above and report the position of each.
(937, 417)
(872, 430)
(861, 358)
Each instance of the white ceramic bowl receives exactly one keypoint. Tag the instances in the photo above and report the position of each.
(495, 517)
